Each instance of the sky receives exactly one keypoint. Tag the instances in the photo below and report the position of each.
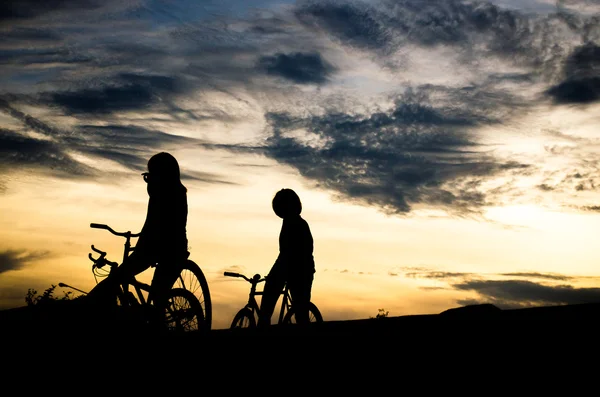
(446, 152)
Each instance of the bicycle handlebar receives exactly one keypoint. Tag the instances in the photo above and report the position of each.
(101, 260)
(106, 227)
(98, 251)
(255, 279)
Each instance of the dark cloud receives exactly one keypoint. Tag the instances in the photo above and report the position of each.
(354, 24)
(425, 150)
(583, 62)
(388, 25)
(18, 9)
(301, 68)
(131, 146)
(29, 121)
(41, 56)
(266, 30)
(419, 152)
(205, 177)
(521, 293)
(137, 92)
(511, 293)
(17, 259)
(104, 100)
(581, 77)
(548, 276)
(428, 273)
(128, 145)
(474, 30)
(437, 275)
(130, 137)
(581, 91)
(17, 151)
(27, 36)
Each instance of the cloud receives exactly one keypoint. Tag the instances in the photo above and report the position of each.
(592, 208)
(17, 151)
(414, 142)
(437, 275)
(128, 145)
(582, 77)
(387, 26)
(30, 36)
(431, 273)
(51, 151)
(508, 293)
(522, 293)
(136, 92)
(356, 24)
(17, 259)
(419, 152)
(548, 276)
(300, 68)
(18, 9)
(580, 6)
(104, 100)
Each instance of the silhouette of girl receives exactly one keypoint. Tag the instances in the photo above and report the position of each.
(295, 264)
(163, 239)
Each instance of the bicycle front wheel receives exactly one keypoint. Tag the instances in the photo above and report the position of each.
(183, 312)
(244, 319)
(314, 315)
(192, 279)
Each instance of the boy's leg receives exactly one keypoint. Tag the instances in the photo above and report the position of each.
(274, 284)
(300, 289)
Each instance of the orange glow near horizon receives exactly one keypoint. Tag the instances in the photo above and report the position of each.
(363, 256)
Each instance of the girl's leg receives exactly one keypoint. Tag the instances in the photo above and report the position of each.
(165, 275)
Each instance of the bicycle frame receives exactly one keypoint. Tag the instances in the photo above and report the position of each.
(286, 302)
(124, 288)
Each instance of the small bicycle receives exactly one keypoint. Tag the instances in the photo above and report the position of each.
(247, 317)
(188, 306)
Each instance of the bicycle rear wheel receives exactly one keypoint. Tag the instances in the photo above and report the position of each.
(192, 279)
(244, 319)
(314, 315)
(183, 312)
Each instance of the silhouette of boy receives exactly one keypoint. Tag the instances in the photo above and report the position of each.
(295, 264)
(163, 239)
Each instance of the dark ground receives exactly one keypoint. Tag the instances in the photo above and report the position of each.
(465, 323)
(480, 347)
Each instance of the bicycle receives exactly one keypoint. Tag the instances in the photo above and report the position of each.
(247, 317)
(188, 305)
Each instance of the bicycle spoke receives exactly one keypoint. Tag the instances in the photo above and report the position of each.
(192, 279)
(183, 317)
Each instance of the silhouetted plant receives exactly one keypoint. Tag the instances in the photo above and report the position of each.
(33, 299)
(382, 314)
